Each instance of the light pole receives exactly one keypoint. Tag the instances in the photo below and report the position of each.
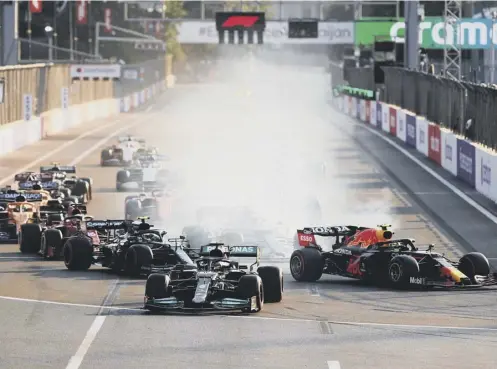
(49, 34)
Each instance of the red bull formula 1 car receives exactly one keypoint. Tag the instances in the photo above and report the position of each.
(370, 254)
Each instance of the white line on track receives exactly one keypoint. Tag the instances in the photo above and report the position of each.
(360, 324)
(122, 308)
(95, 146)
(55, 151)
(434, 174)
(77, 359)
(367, 324)
(333, 365)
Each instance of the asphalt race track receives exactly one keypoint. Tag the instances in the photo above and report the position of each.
(252, 129)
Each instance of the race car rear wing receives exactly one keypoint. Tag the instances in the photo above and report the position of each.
(12, 197)
(44, 185)
(58, 168)
(130, 138)
(306, 236)
(19, 177)
(234, 251)
(107, 224)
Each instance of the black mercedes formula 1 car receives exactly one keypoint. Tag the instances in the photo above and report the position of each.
(215, 282)
(394, 262)
(123, 246)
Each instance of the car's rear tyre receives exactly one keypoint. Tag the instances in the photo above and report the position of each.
(473, 264)
(121, 177)
(105, 155)
(78, 253)
(157, 286)
(81, 188)
(137, 257)
(52, 239)
(30, 238)
(250, 286)
(400, 269)
(272, 282)
(306, 265)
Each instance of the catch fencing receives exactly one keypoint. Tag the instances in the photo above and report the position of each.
(465, 108)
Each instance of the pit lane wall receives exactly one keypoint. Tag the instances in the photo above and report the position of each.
(39, 100)
(470, 162)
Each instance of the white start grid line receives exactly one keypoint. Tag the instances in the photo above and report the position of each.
(334, 365)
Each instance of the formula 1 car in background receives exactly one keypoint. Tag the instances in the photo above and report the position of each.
(47, 236)
(55, 180)
(394, 262)
(216, 283)
(145, 175)
(16, 209)
(122, 153)
(80, 187)
(133, 248)
(142, 205)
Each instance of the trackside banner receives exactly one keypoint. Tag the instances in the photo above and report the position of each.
(471, 163)
(329, 33)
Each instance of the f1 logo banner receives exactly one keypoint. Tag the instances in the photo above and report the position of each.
(241, 24)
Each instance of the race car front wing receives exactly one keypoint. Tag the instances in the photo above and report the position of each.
(225, 304)
(481, 281)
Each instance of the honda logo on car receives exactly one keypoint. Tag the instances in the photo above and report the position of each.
(417, 280)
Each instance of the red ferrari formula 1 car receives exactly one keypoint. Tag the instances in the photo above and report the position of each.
(371, 255)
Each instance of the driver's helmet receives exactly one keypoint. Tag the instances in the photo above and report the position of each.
(142, 196)
(143, 226)
(21, 198)
(216, 253)
(76, 211)
(37, 186)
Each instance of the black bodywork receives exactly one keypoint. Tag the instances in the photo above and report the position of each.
(56, 180)
(142, 205)
(215, 282)
(397, 263)
(125, 246)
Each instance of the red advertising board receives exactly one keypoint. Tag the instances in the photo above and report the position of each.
(81, 12)
(36, 6)
(434, 150)
(368, 111)
(393, 121)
